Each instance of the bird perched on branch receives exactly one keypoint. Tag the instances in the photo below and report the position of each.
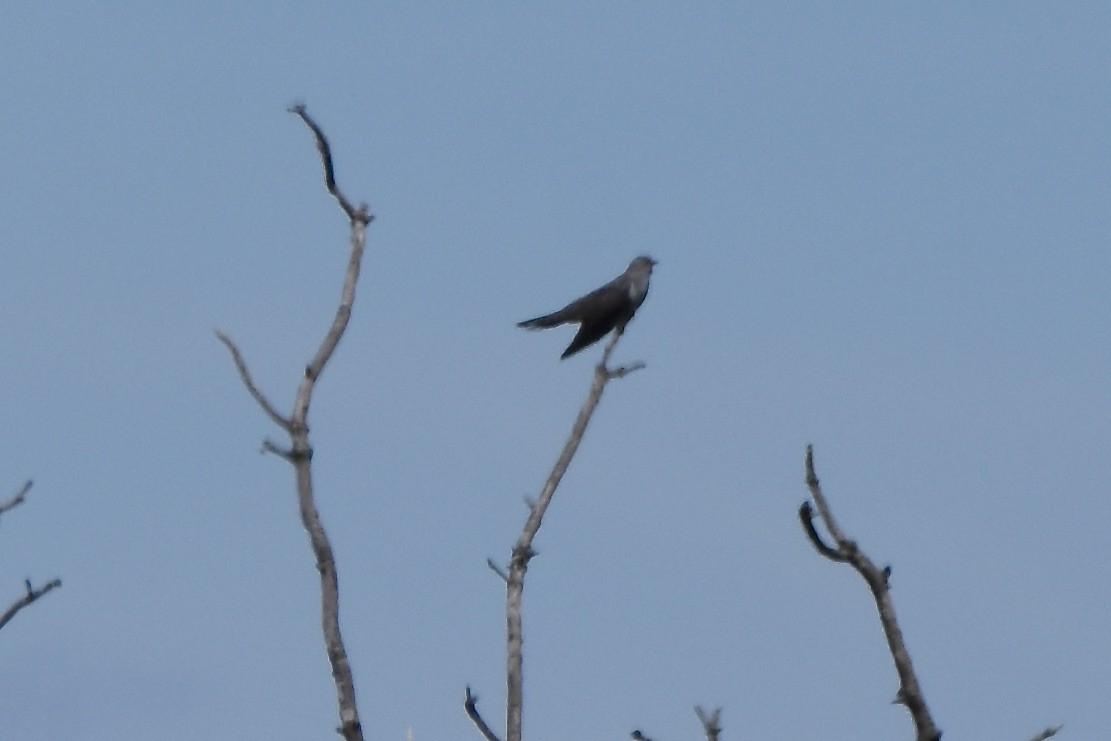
(609, 307)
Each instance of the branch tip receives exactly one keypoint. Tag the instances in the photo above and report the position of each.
(469, 704)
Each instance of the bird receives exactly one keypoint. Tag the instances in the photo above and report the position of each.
(607, 308)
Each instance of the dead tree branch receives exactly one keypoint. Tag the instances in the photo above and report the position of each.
(711, 722)
(299, 453)
(522, 551)
(32, 593)
(847, 551)
(30, 596)
(1047, 733)
(469, 704)
(16, 499)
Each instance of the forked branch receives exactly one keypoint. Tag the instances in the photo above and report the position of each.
(32, 593)
(522, 552)
(30, 596)
(847, 551)
(711, 722)
(299, 453)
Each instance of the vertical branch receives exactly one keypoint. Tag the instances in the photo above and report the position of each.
(847, 551)
(300, 451)
(522, 551)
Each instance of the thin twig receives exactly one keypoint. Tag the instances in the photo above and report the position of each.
(269, 446)
(1047, 733)
(806, 517)
(711, 722)
(497, 570)
(469, 704)
(249, 382)
(30, 596)
(353, 213)
(17, 498)
(910, 693)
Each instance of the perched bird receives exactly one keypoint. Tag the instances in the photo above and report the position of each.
(609, 307)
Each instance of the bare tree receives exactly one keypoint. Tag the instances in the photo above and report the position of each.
(847, 551)
(522, 553)
(299, 451)
(32, 593)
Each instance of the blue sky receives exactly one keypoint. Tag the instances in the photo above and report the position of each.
(881, 229)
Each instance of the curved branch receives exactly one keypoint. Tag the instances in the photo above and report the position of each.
(469, 704)
(17, 498)
(910, 693)
(249, 382)
(31, 595)
(299, 453)
(354, 214)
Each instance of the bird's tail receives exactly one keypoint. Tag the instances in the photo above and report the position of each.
(549, 320)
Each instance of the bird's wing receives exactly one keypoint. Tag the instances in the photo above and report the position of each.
(601, 312)
(608, 298)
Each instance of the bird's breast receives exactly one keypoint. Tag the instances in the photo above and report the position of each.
(637, 291)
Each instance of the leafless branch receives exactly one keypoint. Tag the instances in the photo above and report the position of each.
(522, 551)
(30, 596)
(353, 214)
(1047, 733)
(269, 446)
(638, 736)
(17, 498)
(497, 570)
(845, 550)
(469, 703)
(711, 722)
(249, 382)
(299, 453)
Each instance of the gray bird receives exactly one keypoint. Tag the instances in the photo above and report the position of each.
(609, 307)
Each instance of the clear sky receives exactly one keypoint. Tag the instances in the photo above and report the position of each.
(881, 229)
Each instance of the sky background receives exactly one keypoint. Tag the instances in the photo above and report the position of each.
(880, 229)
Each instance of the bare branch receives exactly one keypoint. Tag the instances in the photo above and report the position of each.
(711, 722)
(31, 595)
(354, 214)
(249, 382)
(269, 446)
(17, 498)
(469, 702)
(806, 517)
(1047, 733)
(523, 552)
(299, 453)
(497, 570)
(339, 323)
(910, 694)
(638, 736)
